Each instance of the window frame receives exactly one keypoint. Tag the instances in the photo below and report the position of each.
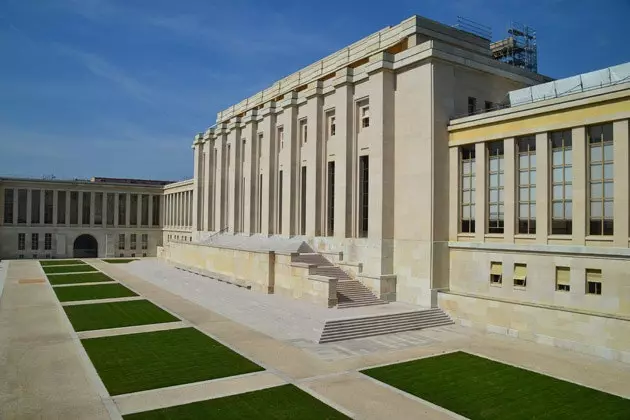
(467, 154)
(602, 225)
(526, 149)
(563, 225)
(499, 223)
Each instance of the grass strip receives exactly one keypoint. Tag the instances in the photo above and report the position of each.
(56, 279)
(48, 263)
(97, 291)
(68, 269)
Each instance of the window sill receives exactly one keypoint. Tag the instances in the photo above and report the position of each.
(498, 285)
(599, 238)
(524, 236)
(520, 287)
(465, 235)
(560, 237)
(494, 235)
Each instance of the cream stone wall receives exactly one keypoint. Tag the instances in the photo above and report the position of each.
(293, 280)
(591, 334)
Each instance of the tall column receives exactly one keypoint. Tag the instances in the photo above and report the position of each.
(68, 193)
(42, 202)
(265, 167)
(128, 210)
(510, 196)
(312, 153)
(344, 175)
(116, 209)
(620, 186)
(208, 177)
(80, 212)
(55, 204)
(104, 210)
(92, 207)
(578, 136)
(290, 170)
(198, 181)
(219, 146)
(250, 169)
(150, 224)
(139, 210)
(29, 199)
(15, 206)
(454, 186)
(542, 188)
(2, 195)
(480, 192)
(234, 146)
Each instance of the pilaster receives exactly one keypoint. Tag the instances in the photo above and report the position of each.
(290, 171)
(208, 189)
(542, 188)
(128, 210)
(80, 209)
(312, 153)
(219, 182)
(234, 176)
(92, 207)
(620, 188)
(455, 193)
(266, 168)
(55, 206)
(510, 203)
(29, 199)
(250, 168)
(578, 137)
(480, 192)
(116, 209)
(198, 181)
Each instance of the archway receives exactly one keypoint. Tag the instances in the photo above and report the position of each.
(85, 246)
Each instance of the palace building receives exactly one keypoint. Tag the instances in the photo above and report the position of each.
(410, 166)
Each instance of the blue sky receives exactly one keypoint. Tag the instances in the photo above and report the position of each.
(120, 87)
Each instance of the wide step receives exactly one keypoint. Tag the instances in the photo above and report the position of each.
(346, 329)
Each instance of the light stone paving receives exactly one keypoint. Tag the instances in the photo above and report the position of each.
(277, 316)
(198, 391)
(328, 372)
(108, 300)
(132, 330)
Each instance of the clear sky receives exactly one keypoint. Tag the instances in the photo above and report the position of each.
(120, 87)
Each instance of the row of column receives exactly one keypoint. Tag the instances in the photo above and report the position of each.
(179, 210)
(107, 218)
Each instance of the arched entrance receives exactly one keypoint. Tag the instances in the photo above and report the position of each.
(85, 246)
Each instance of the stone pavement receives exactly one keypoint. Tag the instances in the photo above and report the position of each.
(327, 371)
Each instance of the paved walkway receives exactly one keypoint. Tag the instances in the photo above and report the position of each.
(329, 372)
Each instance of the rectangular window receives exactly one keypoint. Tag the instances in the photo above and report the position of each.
(144, 219)
(601, 196)
(111, 208)
(260, 200)
(133, 255)
(365, 116)
(330, 208)
(280, 138)
(488, 106)
(121, 241)
(22, 200)
(156, 210)
(520, 275)
(303, 203)
(133, 210)
(132, 241)
(496, 273)
(8, 206)
(472, 105)
(280, 178)
(303, 131)
(563, 279)
(561, 183)
(593, 282)
(122, 209)
(35, 200)
(74, 207)
(47, 241)
(527, 184)
(98, 208)
(145, 241)
(21, 241)
(364, 190)
(34, 241)
(87, 206)
(331, 127)
(496, 182)
(468, 181)
(61, 208)
(144, 254)
(48, 207)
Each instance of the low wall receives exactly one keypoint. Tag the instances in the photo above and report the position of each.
(294, 280)
(243, 267)
(598, 335)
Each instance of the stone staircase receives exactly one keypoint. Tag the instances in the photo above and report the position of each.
(347, 329)
(350, 292)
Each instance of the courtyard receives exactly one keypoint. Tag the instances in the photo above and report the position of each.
(143, 340)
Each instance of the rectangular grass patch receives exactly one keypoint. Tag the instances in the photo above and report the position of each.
(56, 279)
(97, 291)
(98, 316)
(136, 362)
(47, 263)
(120, 260)
(281, 402)
(479, 388)
(68, 269)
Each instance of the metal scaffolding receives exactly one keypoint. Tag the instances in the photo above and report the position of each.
(519, 49)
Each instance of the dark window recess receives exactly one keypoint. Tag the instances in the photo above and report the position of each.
(330, 222)
(364, 184)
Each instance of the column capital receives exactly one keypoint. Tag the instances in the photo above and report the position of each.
(315, 88)
(290, 100)
(382, 61)
(344, 76)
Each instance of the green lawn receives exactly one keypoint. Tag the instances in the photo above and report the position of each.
(480, 388)
(98, 316)
(120, 260)
(97, 291)
(68, 269)
(45, 263)
(136, 362)
(71, 278)
(281, 402)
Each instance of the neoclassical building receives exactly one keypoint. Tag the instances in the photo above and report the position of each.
(410, 166)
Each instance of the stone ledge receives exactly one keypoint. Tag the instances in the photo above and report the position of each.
(577, 250)
(322, 279)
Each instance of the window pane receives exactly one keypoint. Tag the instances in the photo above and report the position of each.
(523, 211)
(608, 190)
(532, 211)
(532, 161)
(532, 177)
(532, 194)
(596, 172)
(568, 174)
(596, 210)
(594, 134)
(494, 209)
(466, 212)
(465, 197)
(608, 152)
(466, 167)
(608, 132)
(568, 192)
(494, 180)
(472, 212)
(557, 192)
(523, 194)
(557, 157)
(557, 175)
(494, 165)
(596, 154)
(501, 179)
(608, 210)
(501, 196)
(596, 190)
(568, 157)
(568, 210)
(523, 162)
(608, 171)
(557, 210)
(523, 178)
(494, 196)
